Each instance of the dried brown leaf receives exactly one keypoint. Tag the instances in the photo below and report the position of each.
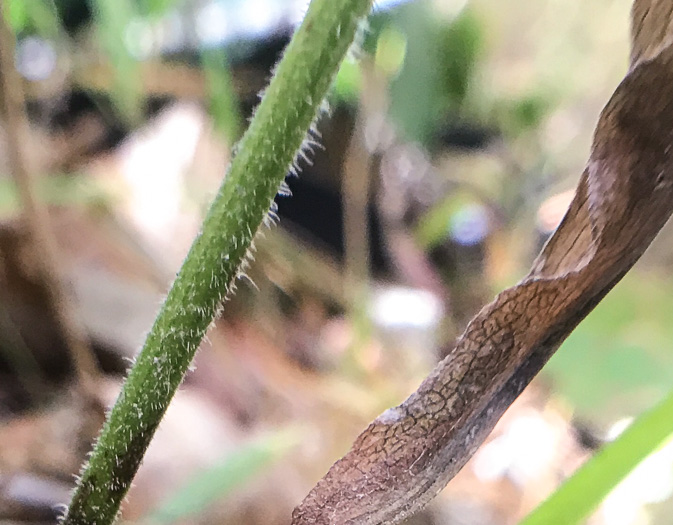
(651, 28)
(624, 197)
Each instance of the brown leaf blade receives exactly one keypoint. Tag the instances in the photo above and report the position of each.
(651, 28)
(624, 197)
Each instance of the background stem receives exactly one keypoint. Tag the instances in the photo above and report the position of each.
(35, 214)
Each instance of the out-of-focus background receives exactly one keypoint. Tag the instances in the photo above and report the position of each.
(450, 153)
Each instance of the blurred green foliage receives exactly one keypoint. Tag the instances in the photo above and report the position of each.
(56, 190)
(157, 7)
(433, 228)
(572, 503)
(417, 89)
(459, 45)
(524, 114)
(39, 16)
(619, 361)
(112, 19)
(223, 100)
(218, 481)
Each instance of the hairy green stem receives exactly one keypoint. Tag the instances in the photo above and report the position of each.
(265, 153)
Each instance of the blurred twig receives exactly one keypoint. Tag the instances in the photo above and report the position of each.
(356, 193)
(19, 355)
(159, 79)
(35, 215)
(304, 268)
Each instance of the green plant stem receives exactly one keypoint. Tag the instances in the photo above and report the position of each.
(583, 492)
(265, 153)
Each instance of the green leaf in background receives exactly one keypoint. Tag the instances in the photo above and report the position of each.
(584, 491)
(113, 19)
(525, 113)
(347, 83)
(17, 13)
(433, 228)
(157, 7)
(221, 93)
(413, 101)
(444, 53)
(619, 361)
(220, 480)
(39, 16)
(388, 46)
(391, 49)
(54, 190)
(459, 47)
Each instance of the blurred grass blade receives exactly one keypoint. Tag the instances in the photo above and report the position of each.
(583, 492)
(55, 190)
(16, 12)
(218, 481)
(157, 8)
(113, 20)
(221, 94)
(40, 16)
